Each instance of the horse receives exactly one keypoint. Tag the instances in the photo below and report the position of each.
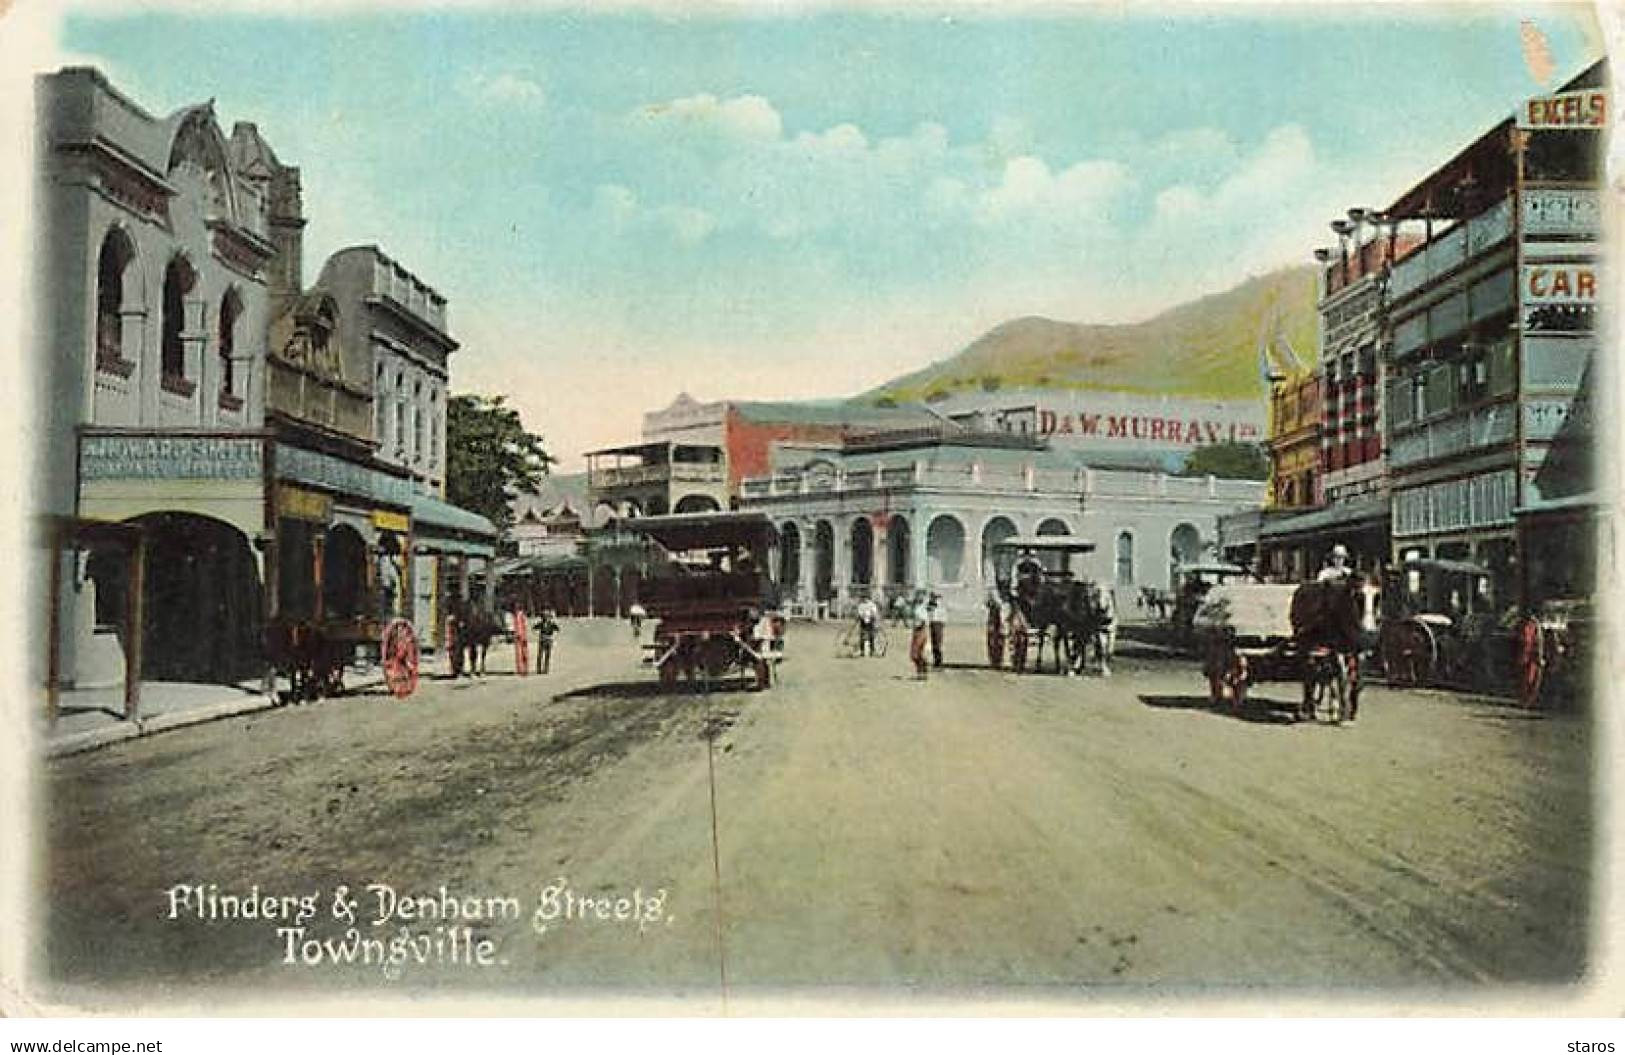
(1326, 632)
(1096, 628)
(475, 629)
(1073, 616)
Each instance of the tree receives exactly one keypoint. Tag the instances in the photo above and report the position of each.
(1231, 461)
(490, 458)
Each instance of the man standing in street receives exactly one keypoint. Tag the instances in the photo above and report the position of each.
(546, 627)
(936, 615)
(919, 620)
(868, 616)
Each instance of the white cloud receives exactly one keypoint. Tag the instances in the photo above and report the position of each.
(505, 89)
(1028, 188)
(1264, 180)
(747, 118)
(843, 140)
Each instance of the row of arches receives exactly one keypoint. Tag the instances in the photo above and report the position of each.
(890, 565)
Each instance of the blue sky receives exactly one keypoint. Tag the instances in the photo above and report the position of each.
(623, 205)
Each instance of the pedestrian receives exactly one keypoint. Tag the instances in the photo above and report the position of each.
(1016, 631)
(637, 614)
(521, 641)
(936, 613)
(868, 617)
(456, 624)
(996, 620)
(920, 620)
(546, 627)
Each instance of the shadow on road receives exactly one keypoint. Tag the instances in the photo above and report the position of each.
(1258, 711)
(642, 690)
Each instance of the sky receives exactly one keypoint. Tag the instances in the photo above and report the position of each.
(764, 202)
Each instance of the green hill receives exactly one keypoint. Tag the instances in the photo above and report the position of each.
(1206, 347)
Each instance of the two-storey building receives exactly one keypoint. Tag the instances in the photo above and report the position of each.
(1295, 486)
(155, 254)
(394, 327)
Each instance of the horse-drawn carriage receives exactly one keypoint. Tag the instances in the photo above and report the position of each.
(335, 596)
(1073, 614)
(714, 602)
(1192, 581)
(1309, 634)
(1443, 626)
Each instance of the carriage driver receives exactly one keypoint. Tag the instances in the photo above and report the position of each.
(1337, 565)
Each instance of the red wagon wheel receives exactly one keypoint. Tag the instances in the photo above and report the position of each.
(1531, 661)
(399, 648)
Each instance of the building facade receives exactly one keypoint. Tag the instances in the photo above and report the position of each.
(156, 250)
(1296, 483)
(202, 408)
(885, 515)
(394, 329)
(1493, 336)
(660, 477)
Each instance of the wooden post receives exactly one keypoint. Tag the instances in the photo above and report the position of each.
(135, 645)
(318, 549)
(53, 646)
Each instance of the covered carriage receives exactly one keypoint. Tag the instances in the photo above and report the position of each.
(1058, 606)
(1444, 625)
(714, 604)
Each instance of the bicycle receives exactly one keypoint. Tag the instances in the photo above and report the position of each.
(849, 642)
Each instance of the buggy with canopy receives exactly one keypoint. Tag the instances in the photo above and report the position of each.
(714, 604)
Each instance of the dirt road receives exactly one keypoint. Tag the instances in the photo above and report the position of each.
(1041, 835)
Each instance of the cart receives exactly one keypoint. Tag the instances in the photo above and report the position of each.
(713, 601)
(1035, 572)
(332, 603)
(1246, 635)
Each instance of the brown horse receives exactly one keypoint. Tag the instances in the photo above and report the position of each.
(1326, 632)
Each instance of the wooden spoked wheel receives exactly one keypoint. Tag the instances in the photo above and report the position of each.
(399, 650)
(1409, 655)
(1530, 661)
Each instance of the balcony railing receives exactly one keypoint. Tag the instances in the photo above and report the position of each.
(641, 475)
(1451, 249)
(1485, 427)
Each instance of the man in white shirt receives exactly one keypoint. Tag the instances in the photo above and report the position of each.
(1337, 565)
(868, 616)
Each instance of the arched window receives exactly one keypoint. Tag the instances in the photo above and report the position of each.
(231, 308)
(179, 278)
(111, 266)
(1125, 558)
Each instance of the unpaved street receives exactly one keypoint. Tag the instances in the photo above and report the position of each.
(1071, 837)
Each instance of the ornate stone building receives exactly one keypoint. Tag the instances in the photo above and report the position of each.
(885, 514)
(210, 462)
(155, 251)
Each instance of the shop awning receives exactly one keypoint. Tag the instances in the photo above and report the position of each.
(1345, 516)
(436, 517)
(1567, 504)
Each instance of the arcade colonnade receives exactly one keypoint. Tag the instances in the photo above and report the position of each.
(835, 558)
